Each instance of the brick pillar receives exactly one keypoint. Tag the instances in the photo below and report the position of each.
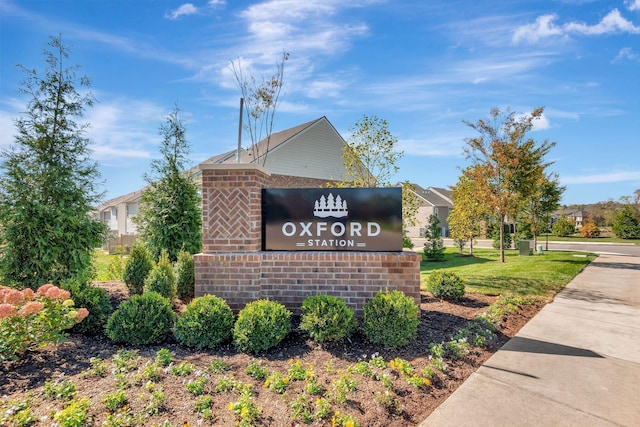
(232, 207)
(230, 262)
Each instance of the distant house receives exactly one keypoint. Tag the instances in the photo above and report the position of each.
(307, 155)
(434, 201)
(576, 215)
(118, 213)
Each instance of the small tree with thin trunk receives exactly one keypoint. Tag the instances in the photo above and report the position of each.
(261, 101)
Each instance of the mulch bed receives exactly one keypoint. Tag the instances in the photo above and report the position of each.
(439, 320)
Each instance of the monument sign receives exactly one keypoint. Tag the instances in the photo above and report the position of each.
(332, 219)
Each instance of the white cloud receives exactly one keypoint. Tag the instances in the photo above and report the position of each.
(602, 178)
(183, 10)
(632, 4)
(443, 145)
(309, 27)
(540, 123)
(124, 128)
(544, 27)
(626, 54)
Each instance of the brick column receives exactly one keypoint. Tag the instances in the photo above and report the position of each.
(232, 207)
(229, 265)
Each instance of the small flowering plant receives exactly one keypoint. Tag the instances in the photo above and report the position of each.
(30, 320)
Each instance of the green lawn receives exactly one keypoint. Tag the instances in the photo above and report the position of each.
(523, 275)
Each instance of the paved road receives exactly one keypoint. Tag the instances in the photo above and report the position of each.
(600, 248)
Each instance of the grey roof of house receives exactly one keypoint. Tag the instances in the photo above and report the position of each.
(434, 196)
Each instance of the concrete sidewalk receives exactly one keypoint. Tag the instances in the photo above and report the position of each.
(576, 363)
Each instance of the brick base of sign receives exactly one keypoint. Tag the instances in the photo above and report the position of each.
(290, 277)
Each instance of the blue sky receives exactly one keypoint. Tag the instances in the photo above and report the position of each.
(424, 66)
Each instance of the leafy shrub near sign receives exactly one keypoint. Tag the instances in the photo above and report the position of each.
(206, 323)
(161, 278)
(445, 285)
(137, 268)
(261, 324)
(185, 274)
(327, 318)
(142, 319)
(390, 318)
(96, 300)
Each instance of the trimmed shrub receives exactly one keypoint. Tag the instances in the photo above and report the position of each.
(206, 323)
(625, 224)
(445, 285)
(161, 278)
(390, 319)
(142, 319)
(115, 270)
(590, 230)
(261, 324)
(563, 227)
(137, 268)
(327, 318)
(96, 300)
(185, 275)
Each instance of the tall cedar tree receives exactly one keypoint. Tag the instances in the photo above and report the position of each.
(370, 158)
(509, 160)
(170, 216)
(49, 181)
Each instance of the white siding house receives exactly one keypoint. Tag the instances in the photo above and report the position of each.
(312, 151)
(434, 201)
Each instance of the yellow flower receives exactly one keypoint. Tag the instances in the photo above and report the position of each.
(244, 412)
(230, 406)
(349, 423)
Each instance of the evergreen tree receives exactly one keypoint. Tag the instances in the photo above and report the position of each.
(434, 246)
(625, 224)
(563, 227)
(49, 181)
(170, 216)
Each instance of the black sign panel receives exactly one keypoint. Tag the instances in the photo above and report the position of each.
(332, 219)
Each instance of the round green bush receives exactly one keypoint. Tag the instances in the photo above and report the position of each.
(161, 278)
(206, 323)
(185, 275)
(327, 318)
(261, 324)
(445, 285)
(137, 268)
(142, 319)
(390, 319)
(96, 300)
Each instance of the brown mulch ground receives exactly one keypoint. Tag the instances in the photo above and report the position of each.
(71, 361)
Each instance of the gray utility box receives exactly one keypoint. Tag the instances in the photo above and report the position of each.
(524, 248)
